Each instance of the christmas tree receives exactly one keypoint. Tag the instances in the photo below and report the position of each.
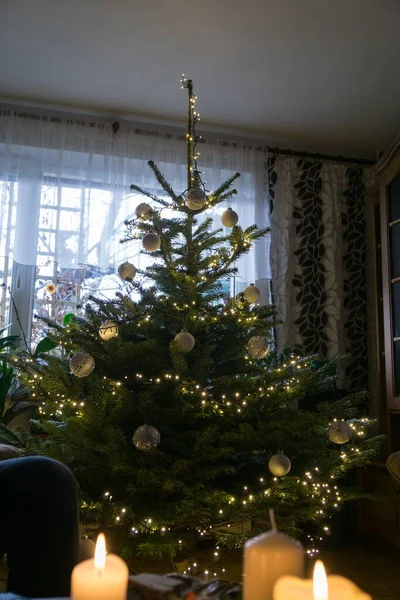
(179, 421)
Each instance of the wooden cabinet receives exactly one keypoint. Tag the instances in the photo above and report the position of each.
(387, 274)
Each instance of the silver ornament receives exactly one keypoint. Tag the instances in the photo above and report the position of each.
(127, 271)
(251, 293)
(279, 464)
(195, 199)
(146, 438)
(142, 210)
(185, 340)
(151, 241)
(257, 346)
(82, 364)
(339, 432)
(108, 330)
(229, 218)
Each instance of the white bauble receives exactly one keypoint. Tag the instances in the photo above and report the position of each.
(142, 210)
(195, 199)
(127, 271)
(108, 330)
(151, 241)
(185, 340)
(251, 293)
(146, 438)
(279, 464)
(257, 346)
(339, 432)
(82, 364)
(229, 218)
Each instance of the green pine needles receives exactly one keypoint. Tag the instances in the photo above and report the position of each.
(222, 410)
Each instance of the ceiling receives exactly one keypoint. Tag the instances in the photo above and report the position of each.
(317, 74)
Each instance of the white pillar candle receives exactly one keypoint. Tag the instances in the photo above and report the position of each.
(103, 578)
(267, 558)
(318, 588)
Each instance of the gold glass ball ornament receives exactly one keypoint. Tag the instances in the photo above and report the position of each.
(195, 199)
(151, 241)
(339, 432)
(185, 340)
(142, 210)
(51, 288)
(251, 293)
(257, 346)
(82, 364)
(127, 271)
(108, 330)
(279, 464)
(146, 438)
(229, 218)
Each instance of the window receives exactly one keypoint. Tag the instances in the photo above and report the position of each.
(64, 196)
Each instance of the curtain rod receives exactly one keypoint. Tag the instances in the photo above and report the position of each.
(317, 155)
(115, 126)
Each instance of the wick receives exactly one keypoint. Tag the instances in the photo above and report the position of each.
(272, 519)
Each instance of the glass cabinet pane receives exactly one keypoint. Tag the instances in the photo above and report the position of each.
(394, 233)
(393, 195)
(396, 308)
(396, 368)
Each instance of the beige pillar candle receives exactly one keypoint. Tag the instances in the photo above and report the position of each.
(103, 578)
(267, 558)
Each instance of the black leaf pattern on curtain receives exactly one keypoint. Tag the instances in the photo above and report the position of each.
(310, 280)
(355, 281)
(272, 179)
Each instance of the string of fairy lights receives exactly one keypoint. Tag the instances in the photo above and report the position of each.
(319, 488)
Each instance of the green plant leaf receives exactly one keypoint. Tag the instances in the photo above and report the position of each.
(45, 345)
(68, 318)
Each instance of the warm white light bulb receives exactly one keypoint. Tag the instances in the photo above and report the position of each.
(100, 552)
(320, 582)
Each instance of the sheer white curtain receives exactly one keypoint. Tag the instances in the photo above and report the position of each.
(64, 196)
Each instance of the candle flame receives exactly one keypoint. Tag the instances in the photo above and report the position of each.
(100, 552)
(320, 582)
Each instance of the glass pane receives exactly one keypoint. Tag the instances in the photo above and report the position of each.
(395, 251)
(49, 195)
(48, 218)
(46, 242)
(69, 220)
(67, 249)
(396, 309)
(396, 368)
(393, 191)
(71, 197)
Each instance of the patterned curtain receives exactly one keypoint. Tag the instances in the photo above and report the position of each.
(318, 260)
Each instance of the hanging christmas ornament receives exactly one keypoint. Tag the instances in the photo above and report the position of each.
(257, 346)
(279, 464)
(229, 218)
(251, 293)
(195, 199)
(185, 340)
(108, 330)
(127, 271)
(51, 288)
(146, 438)
(339, 432)
(151, 241)
(142, 210)
(82, 364)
